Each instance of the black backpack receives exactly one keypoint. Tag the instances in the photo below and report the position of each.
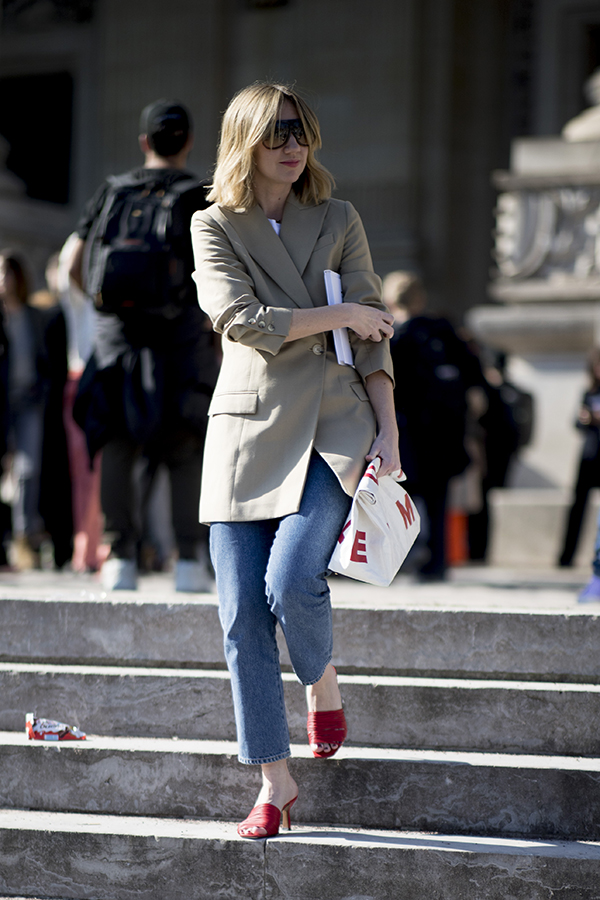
(134, 253)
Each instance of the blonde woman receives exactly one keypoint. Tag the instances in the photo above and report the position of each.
(290, 430)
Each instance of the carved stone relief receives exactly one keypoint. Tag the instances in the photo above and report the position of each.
(549, 234)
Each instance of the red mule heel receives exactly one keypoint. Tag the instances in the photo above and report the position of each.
(286, 819)
(269, 817)
(327, 727)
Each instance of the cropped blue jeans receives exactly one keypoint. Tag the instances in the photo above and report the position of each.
(270, 572)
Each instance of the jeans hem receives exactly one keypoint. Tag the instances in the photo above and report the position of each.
(264, 760)
(309, 683)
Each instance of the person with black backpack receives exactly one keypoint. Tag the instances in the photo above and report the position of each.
(146, 389)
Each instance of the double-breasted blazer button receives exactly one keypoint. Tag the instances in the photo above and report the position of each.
(261, 325)
(317, 349)
(271, 327)
(251, 321)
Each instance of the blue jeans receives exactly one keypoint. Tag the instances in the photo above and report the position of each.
(275, 571)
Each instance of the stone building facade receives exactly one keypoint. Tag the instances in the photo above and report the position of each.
(418, 99)
(411, 94)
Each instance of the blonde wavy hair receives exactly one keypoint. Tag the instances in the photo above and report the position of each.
(250, 119)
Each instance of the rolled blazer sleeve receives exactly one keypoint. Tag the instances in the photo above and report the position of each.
(360, 284)
(226, 291)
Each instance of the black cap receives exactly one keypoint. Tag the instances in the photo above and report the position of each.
(167, 125)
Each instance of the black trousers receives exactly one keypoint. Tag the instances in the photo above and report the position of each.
(587, 478)
(434, 495)
(181, 452)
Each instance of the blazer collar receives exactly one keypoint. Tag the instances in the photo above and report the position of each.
(286, 256)
(300, 228)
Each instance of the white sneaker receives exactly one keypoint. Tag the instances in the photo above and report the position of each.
(193, 577)
(119, 575)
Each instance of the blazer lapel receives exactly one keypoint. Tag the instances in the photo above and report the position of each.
(300, 228)
(262, 243)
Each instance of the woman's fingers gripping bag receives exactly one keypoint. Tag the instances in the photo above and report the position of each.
(381, 527)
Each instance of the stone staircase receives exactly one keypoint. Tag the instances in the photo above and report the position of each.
(472, 770)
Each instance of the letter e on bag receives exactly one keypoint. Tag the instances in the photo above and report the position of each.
(359, 548)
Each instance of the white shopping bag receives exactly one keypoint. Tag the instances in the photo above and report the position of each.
(381, 527)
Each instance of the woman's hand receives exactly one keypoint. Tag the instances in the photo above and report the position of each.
(369, 323)
(385, 446)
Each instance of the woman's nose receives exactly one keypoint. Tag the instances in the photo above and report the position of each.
(291, 143)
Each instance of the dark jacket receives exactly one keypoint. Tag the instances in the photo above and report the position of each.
(433, 369)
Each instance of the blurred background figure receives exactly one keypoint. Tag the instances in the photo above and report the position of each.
(144, 395)
(434, 369)
(36, 483)
(88, 551)
(588, 475)
(495, 433)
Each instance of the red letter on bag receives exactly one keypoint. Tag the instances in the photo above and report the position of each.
(408, 513)
(371, 473)
(359, 548)
(344, 530)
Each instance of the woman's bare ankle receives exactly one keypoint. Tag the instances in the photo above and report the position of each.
(325, 694)
(278, 786)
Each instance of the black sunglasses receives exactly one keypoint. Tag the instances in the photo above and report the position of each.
(281, 134)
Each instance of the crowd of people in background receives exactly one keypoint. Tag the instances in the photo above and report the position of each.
(460, 425)
(101, 397)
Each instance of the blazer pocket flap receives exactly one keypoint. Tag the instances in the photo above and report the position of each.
(234, 403)
(359, 389)
(324, 241)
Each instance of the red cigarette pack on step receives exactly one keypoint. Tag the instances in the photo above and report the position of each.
(49, 730)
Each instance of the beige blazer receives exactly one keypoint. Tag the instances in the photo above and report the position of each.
(275, 401)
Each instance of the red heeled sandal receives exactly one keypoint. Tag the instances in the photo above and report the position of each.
(327, 727)
(269, 817)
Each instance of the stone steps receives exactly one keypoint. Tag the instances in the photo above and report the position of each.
(461, 793)
(94, 857)
(384, 711)
(434, 642)
(472, 769)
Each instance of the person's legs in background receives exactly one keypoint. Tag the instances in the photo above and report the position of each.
(121, 518)
(434, 496)
(27, 524)
(587, 477)
(183, 457)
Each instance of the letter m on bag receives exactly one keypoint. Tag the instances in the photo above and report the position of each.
(407, 512)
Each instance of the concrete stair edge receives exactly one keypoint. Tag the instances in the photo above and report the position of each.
(386, 711)
(154, 858)
(560, 646)
(462, 793)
